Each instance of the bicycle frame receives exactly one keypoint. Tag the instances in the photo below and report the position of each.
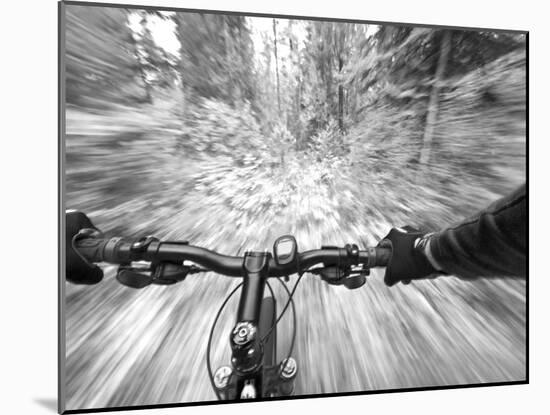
(248, 378)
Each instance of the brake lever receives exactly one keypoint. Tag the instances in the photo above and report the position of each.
(349, 278)
(167, 273)
(134, 277)
(356, 280)
(164, 273)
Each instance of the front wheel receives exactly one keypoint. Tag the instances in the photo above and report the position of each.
(268, 317)
(277, 378)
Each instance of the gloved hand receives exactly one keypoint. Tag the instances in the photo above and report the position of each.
(408, 261)
(78, 271)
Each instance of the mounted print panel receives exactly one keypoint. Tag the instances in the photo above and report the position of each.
(234, 193)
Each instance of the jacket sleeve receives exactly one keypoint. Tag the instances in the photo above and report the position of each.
(491, 243)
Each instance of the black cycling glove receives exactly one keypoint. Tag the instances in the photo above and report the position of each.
(79, 271)
(408, 261)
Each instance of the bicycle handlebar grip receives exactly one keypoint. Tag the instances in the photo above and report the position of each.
(383, 256)
(92, 249)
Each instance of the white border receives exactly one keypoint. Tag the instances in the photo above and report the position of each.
(28, 97)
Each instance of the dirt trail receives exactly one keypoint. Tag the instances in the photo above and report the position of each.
(128, 347)
(137, 347)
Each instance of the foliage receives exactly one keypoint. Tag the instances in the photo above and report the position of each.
(397, 65)
(479, 152)
(328, 143)
(214, 128)
(215, 56)
(100, 67)
(157, 67)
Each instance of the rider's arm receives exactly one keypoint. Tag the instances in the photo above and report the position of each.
(491, 243)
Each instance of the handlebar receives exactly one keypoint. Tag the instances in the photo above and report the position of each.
(118, 251)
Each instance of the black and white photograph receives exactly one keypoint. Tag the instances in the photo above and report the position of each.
(271, 207)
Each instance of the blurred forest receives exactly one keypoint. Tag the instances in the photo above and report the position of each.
(249, 128)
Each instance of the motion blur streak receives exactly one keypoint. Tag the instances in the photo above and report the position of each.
(263, 131)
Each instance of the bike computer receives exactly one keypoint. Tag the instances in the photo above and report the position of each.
(285, 250)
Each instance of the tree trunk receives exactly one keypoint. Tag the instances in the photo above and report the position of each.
(298, 126)
(277, 67)
(340, 97)
(181, 68)
(141, 70)
(433, 105)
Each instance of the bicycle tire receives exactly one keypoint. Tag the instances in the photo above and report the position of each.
(268, 317)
